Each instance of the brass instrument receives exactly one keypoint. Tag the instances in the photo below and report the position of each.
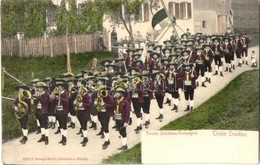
(22, 105)
(82, 92)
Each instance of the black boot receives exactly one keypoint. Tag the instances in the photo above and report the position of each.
(130, 121)
(216, 73)
(246, 63)
(105, 145)
(203, 84)
(226, 69)
(233, 67)
(70, 125)
(62, 138)
(146, 124)
(64, 141)
(92, 124)
(187, 109)
(167, 101)
(85, 140)
(230, 70)
(191, 108)
(209, 80)
(138, 128)
(80, 131)
(46, 140)
(114, 127)
(24, 140)
(100, 132)
(239, 64)
(38, 130)
(41, 139)
(243, 62)
(221, 74)
(160, 117)
(123, 147)
(58, 131)
(174, 107)
(198, 84)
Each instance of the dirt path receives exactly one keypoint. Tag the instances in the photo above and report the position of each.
(73, 153)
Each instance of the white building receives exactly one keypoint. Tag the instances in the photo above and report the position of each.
(205, 16)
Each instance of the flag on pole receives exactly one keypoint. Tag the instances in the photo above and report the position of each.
(158, 17)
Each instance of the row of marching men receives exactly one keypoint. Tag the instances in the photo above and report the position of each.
(124, 83)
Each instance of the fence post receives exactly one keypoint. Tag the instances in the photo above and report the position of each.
(3, 79)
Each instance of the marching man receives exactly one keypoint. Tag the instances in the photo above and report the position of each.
(189, 76)
(43, 106)
(22, 107)
(122, 113)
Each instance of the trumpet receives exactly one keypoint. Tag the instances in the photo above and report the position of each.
(79, 98)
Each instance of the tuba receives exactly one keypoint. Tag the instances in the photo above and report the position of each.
(22, 105)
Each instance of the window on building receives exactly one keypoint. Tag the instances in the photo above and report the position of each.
(180, 10)
(146, 11)
(204, 24)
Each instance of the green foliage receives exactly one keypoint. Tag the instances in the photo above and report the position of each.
(28, 16)
(40, 67)
(235, 107)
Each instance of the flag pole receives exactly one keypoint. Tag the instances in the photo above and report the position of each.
(169, 16)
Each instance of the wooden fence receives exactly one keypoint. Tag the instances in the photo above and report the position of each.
(50, 46)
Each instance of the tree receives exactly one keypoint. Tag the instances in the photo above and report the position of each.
(131, 13)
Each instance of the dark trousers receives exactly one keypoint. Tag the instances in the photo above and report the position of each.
(244, 51)
(121, 128)
(82, 120)
(228, 58)
(208, 67)
(38, 114)
(137, 107)
(217, 60)
(159, 98)
(175, 94)
(72, 109)
(44, 120)
(62, 119)
(189, 92)
(238, 54)
(24, 120)
(104, 121)
(200, 68)
(146, 105)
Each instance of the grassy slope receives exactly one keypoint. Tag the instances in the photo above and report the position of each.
(235, 107)
(41, 67)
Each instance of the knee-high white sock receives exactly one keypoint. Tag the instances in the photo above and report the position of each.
(210, 74)
(46, 132)
(58, 124)
(138, 121)
(177, 102)
(106, 136)
(95, 119)
(53, 119)
(147, 117)
(229, 65)
(131, 114)
(173, 101)
(43, 131)
(207, 74)
(73, 119)
(91, 117)
(220, 68)
(85, 133)
(188, 102)
(124, 141)
(240, 61)
(65, 133)
(25, 132)
(161, 110)
(246, 58)
(38, 123)
(62, 131)
(233, 62)
(50, 119)
(191, 103)
(216, 67)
